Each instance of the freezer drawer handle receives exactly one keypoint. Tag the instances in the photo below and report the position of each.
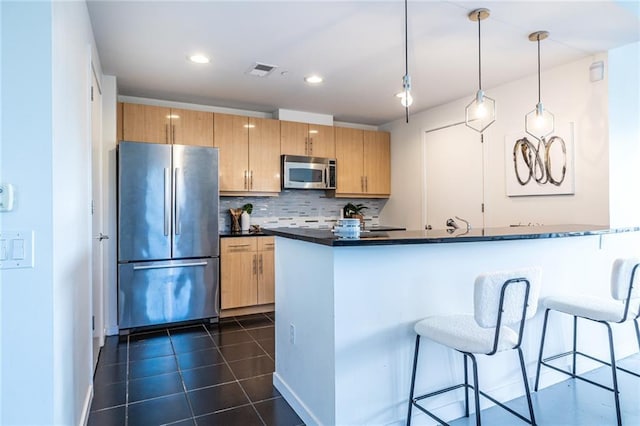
(180, 265)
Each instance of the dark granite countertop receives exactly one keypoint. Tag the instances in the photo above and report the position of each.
(261, 233)
(435, 236)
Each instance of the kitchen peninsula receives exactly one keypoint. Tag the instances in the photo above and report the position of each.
(345, 310)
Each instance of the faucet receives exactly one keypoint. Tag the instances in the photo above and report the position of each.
(452, 223)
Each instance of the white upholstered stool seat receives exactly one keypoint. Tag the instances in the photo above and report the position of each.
(502, 303)
(594, 308)
(623, 306)
(462, 333)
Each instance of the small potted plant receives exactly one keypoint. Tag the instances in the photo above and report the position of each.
(245, 217)
(355, 211)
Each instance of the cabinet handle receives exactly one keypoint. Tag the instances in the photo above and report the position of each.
(238, 245)
(362, 183)
(254, 265)
(366, 184)
(173, 133)
(306, 145)
(245, 180)
(310, 146)
(261, 265)
(251, 179)
(166, 133)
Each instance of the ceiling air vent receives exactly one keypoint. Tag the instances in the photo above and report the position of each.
(261, 70)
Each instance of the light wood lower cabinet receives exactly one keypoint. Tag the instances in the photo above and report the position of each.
(247, 273)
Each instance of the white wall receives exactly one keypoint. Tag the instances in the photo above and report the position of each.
(568, 93)
(46, 311)
(624, 134)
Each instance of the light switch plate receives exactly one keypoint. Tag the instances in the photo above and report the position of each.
(16, 250)
(6, 197)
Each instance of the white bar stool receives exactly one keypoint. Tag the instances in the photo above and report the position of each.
(625, 306)
(500, 299)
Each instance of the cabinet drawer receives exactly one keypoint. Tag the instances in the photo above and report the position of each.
(266, 243)
(238, 245)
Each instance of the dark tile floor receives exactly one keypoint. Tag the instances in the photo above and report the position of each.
(191, 375)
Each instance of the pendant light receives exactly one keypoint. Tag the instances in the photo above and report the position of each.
(539, 123)
(480, 113)
(405, 96)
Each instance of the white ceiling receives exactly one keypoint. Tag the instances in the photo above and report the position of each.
(357, 46)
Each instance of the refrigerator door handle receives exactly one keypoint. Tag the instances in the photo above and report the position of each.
(176, 224)
(169, 265)
(167, 201)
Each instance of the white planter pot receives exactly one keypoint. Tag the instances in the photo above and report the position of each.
(245, 220)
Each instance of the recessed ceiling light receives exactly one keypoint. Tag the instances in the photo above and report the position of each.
(199, 59)
(313, 79)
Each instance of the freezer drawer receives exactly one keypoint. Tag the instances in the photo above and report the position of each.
(152, 293)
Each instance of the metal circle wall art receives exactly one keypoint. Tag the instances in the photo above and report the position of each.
(545, 163)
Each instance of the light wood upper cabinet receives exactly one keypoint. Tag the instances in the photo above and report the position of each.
(249, 153)
(377, 163)
(145, 123)
(363, 163)
(191, 127)
(349, 164)
(148, 123)
(247, 272)
(119, 121)
(307, 139)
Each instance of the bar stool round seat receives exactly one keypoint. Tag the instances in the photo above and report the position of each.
(594, 308)
(502, 303)
(623, 306)
(462, 333)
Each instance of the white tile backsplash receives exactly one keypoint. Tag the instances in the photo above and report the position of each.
(297, 208)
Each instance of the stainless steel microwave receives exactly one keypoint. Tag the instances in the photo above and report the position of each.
(300, 172)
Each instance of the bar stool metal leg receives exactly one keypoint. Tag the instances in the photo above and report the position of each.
(466, 387)
(526, 386)
(413, 378)
(476, 387)
(544, 332)
(575, 339)
(637, 331)
(616, 394)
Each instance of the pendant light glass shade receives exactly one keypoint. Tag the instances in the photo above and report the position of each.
(540, 122)
(480, 113)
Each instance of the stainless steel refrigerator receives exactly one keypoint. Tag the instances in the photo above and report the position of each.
(168, 250)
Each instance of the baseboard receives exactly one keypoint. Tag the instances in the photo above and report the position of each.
(298, 406)
(248, 310)
(86, 407)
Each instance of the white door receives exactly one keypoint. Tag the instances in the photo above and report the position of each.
(97, 266)
(453, 177)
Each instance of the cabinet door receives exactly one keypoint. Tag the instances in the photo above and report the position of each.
(119, 121)
(377, 168)
(190, 127)
(145, 123)
(322, 142)
(293, 138)
(238, 272)
(266, 270)
(264, 155)
(349, 167)
(231, 136)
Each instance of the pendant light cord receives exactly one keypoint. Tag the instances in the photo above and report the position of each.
(539, 90)
(479, 56)
(406, 61)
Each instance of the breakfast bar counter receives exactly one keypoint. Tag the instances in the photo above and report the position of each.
(345, 310)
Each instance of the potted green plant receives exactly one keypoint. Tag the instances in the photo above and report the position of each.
(355, 211)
